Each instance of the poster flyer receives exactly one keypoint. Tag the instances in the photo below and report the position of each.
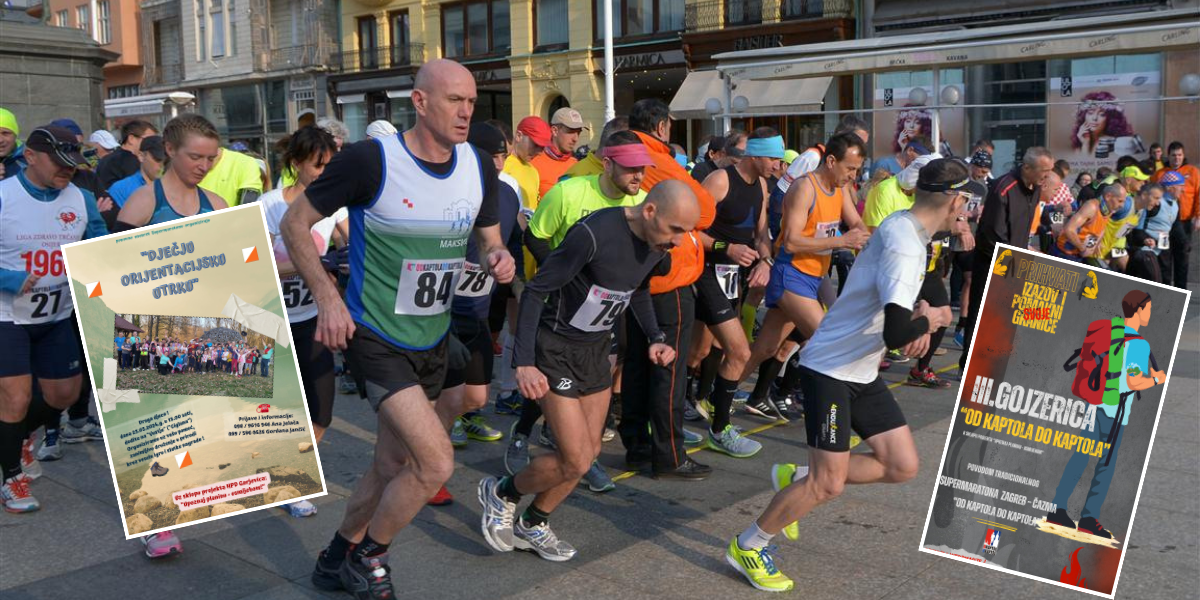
(196, 382)
(1055, 421)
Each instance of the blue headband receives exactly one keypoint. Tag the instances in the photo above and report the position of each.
(771, 147)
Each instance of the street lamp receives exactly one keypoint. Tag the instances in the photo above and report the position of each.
(1189, 84)
(712, 106)
(178, 100)
(918, 96)
(740, 104)
(951, 95)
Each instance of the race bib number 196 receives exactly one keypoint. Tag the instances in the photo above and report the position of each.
(427, 286)
(600, 310)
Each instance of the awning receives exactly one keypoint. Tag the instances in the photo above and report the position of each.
(394, 94)
(765, 97)
(1146, 32)
(133, 109)
(351, 98)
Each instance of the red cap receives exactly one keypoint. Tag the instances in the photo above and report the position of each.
(537, 129)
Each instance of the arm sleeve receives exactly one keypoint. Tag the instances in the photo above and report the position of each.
(489, 209)
(95, 223)
(248, 195)
(352, 178)
(556, 271)
(643, 311)
(538, 247)
(899, 328)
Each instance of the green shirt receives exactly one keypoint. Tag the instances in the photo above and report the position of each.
(883, 200)
(571, 200)
(233, 172)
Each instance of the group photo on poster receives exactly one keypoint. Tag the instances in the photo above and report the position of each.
(1055, 420)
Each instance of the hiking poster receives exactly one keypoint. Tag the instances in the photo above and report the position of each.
(196, 381)
(1055, 421)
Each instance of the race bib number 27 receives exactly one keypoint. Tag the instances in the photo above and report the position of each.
(426, 287)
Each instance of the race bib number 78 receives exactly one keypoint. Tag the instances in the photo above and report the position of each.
(426, 287)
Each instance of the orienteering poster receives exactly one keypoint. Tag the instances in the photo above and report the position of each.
(1055, 421)
(193, 368)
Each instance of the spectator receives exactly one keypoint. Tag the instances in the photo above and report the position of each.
(1157, 159)
(103, 143)
(1189, 211)
(1062, 168)
(1082, 180)
(12, 152)
(152, 155)
(381, 129)
(558, 156)
(123, 161)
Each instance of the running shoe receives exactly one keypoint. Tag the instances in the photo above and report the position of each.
(960, 339)
(546, 436)
(441, 498)
(300, 509)
(367, 579)
(157, 470)
(541, 539)
(731, 442)
(896, 357)
(458, 434)
(509, 404)
(89, 432)
(940, 352)
(689, 470)
(741, 397)
(516, 456)
(51, 449)
(325, 573)
(758, 567)
(884, 365)
(691, 438)
(783, 475)
(609, 434)
(690, 413)
(1092, 526)
(478, 429)
(347, 384)
(29, 464)
(763, 409)
(14, 493)
(496, 522)
(926, 378)
(705, 408)
(597, 479)
(161, 544)
(1061, 518)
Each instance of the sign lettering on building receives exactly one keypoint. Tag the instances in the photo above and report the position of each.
(754, 42)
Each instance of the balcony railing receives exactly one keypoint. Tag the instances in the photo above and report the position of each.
(381, 57)
(293, 57)
(709, 15)
(168, 74)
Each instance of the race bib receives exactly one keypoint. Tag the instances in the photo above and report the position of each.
(475, 283)
(600, 310)
(295, 293)
(45, 304)
(727, 277)
(827, 229)
(1164, 240)
(426, 287)
(1091, 241)
(1119, 252)
(1057, 217)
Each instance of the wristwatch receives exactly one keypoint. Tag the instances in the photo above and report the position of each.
(659, 338)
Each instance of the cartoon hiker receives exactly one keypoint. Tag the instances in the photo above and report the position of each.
(1115, 362)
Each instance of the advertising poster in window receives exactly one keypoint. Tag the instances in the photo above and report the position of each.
(193, 370)
(1092, 120)
(1055, 421)
(894, 128)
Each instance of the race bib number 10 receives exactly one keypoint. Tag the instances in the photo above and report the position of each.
(427, 286)
(600, 310)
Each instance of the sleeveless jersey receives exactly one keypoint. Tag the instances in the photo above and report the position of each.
(163, 211)
(31, 233)
(1090, 233)
(737, 213)
(824, 218)
(407, 246)
(297, 298)
(1113, 242)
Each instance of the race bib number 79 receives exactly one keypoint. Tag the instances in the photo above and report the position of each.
(601, 309)
(426, 287)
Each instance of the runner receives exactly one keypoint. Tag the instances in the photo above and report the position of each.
(192, 145)
(37, 330)
(408, 241)
(235, 177)
(561, 353)
(565, 126)
(1080, 237)
(842, 388)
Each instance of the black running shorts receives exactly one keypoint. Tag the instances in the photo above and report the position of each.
(713, 307)
(387, 369)
(316, 372)
(572, 368)
(933, 291)
(474, 334)
(44, 350)
(964, 260)
(833, 408)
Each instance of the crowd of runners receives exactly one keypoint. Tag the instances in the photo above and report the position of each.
(169, 355)
(618, 291)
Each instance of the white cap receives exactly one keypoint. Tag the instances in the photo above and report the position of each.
(908, 177)
(103, 139)
(380, 129)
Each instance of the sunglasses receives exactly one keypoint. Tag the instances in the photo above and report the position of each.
(69, 147)
(944, 187)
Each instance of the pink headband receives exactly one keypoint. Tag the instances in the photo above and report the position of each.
(628, 155)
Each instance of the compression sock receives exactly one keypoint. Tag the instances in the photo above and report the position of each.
(11, 437)
(767, 372)
(749, 318)
(708, 372)
(339, 547)
(722, 401)
(533, 516)
(508, 490)
(530, 413)
(935, 340)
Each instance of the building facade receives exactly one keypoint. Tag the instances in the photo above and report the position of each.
(49, 73)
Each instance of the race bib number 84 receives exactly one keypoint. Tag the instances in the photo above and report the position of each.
(426, 287)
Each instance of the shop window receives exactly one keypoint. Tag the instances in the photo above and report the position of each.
(475, 28)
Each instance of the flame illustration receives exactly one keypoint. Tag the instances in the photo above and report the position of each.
(1075, 575)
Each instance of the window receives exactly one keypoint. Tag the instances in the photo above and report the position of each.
(793, 9)
(103, 23)
(214, 29)
(83, 17)
(62, 19)
(643, 17)
(123, 91)
(367, 43)
(401, 52)
(475, 28)
(217, 18)
(552, 22)
(743, 12)
(201, 32)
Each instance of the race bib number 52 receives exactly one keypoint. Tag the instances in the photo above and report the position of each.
(600, 310)
(427, 286)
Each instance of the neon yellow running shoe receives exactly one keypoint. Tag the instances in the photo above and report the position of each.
(758, 567)
(782, 475)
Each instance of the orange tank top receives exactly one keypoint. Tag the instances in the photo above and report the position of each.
(824, 219)
(1091, 234)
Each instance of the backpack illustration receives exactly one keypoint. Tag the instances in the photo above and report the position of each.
(1097, 378)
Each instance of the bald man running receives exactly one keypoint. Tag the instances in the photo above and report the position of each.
(563, 337)
(414, 200)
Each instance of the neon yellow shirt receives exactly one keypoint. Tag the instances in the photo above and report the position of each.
(590, 165)
(1116, 229)
(884, 199)
(571, 200)
(528, 179)
(233, 172)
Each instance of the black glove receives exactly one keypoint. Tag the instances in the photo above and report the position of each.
(334, 261)
(457, 354)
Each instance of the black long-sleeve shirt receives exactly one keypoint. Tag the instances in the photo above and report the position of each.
(1007, 217)
(581, 288)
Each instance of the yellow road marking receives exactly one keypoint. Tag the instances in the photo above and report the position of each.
(996, 525)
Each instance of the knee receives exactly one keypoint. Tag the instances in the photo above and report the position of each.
(576, 467)
(474, 402)
(825, 489)
(904, 469)
(434, 472)
(738, 354)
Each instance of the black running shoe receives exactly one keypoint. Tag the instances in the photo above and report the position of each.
(1060, 518)
(368, 579)
(690, 470)
(325, 574)
(1092, 526)
(157, 470)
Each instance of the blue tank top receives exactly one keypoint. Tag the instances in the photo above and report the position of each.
(163, 211)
